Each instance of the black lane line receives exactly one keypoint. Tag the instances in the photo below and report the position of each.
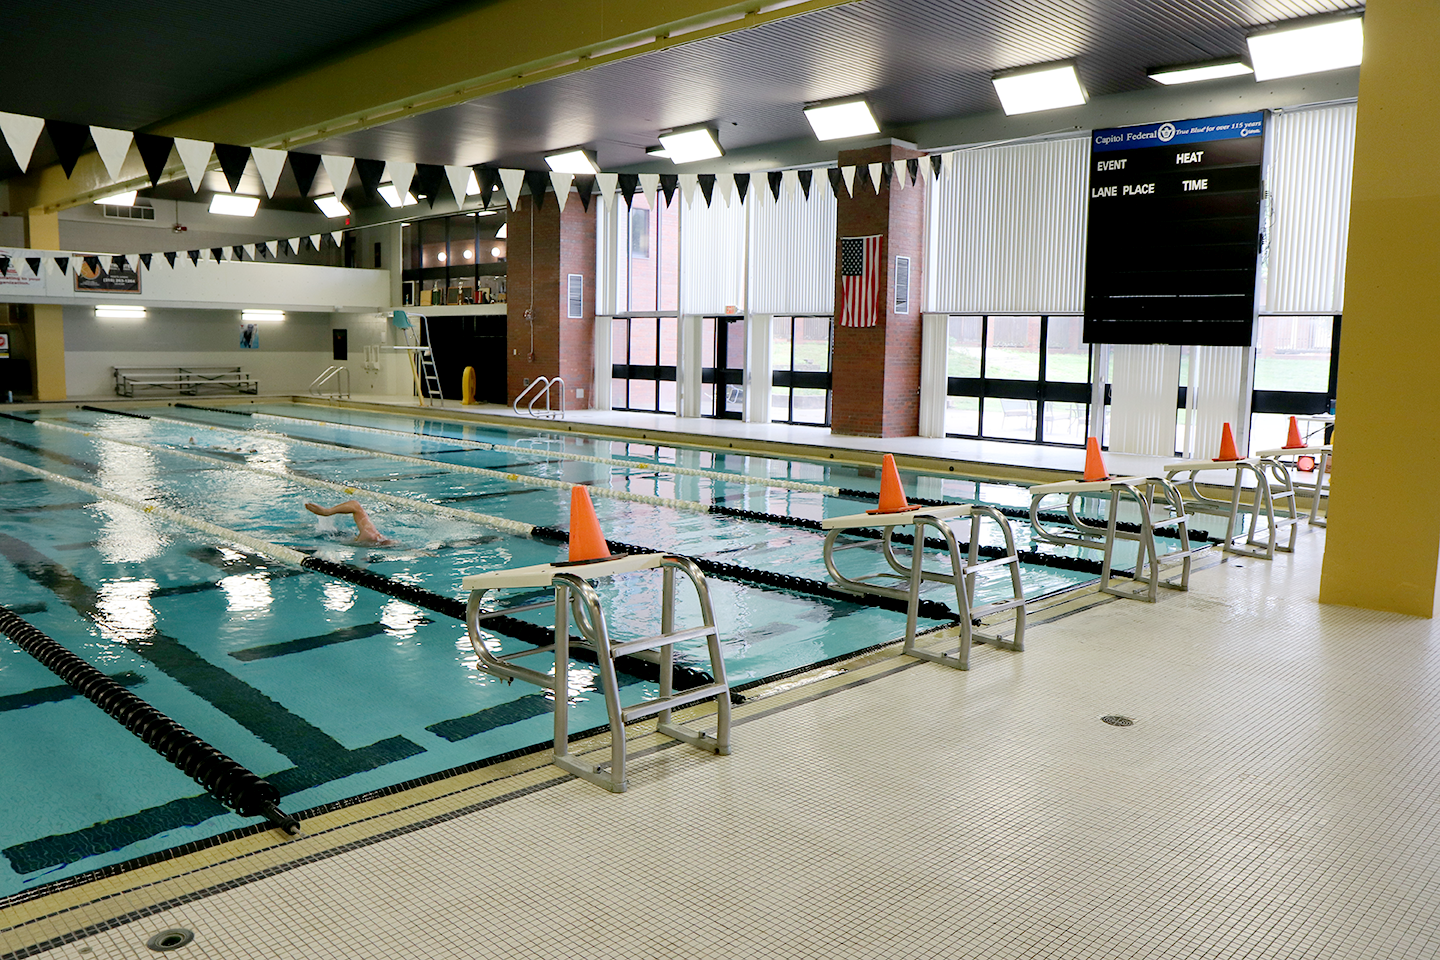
(460, 728)
(61, 691)
(300, 645)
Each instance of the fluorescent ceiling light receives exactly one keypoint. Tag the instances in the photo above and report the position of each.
(1038, 88)
(573, 161)
(1195, 72)
(234, 206)
(262, 316)
(660, 152)
(126, 199)
(390, 195)
(503, 232)
(115, 311)
(691, 144)
(836, 121)
(332, 207)
(1309, 48)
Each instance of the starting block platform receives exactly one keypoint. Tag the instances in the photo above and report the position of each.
(1272, 487)
(574, 594)
(1157, 503)
(1321, 453)
(910, 578)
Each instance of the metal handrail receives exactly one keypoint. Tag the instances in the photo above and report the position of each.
(333, 372)
(545, 383)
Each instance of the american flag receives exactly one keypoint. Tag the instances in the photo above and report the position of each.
(859, 281)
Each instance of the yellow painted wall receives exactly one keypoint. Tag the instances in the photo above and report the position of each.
(1383, 539)
(47, 345)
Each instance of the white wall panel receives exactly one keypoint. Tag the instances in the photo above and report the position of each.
(792, 249)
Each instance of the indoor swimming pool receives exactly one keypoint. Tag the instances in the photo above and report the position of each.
(331, 690)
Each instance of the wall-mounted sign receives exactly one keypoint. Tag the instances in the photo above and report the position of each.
(1175, 232)
(21, 269)
(4, 346)
(102, 275)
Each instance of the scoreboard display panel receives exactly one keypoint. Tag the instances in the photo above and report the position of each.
(1174, 239)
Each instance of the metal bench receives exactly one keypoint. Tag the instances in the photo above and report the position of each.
(189, 381)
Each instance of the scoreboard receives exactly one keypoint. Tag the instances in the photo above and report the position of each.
(1174, 237)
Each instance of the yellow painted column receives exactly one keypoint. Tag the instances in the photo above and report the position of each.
(46, 330)
(1383, 543)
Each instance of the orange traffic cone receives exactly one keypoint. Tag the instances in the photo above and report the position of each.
(1227, 446)
(1294, 441)
(892, 494)
(586, 540)
(1094, 463)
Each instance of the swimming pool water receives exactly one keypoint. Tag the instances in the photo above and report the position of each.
(327, 689)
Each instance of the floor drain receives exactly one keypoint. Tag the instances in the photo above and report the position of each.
(170, 939)
(1117, 721)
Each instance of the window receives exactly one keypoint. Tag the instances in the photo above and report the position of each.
(801, 350)
(1023, 378)
(651, 281)
(642, 363)
(1296, 364)
(640, 232)
(722, 370)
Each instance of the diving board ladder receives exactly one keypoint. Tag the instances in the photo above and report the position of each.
(422, 368)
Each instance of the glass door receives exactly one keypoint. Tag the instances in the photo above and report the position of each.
(722, 371)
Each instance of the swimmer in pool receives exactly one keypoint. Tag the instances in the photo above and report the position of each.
(368, 533)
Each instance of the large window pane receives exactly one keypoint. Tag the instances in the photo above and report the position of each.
(812, 343)
(1067, 357)
(1294, 354)
(809, 405)
(1010, 419)
(781, 343)
(1013, 350)
(962, 416)
(965, 346)
(1064, 422)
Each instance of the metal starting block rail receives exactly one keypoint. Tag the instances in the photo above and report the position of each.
(1272, 486)
(1159, 505)
(1321, 453)
(914, 576)
(574, 593)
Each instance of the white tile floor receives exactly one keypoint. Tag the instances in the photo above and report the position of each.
(1274, 798)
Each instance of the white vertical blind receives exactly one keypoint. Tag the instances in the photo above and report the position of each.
(934, 382)
(1311, 155)
(792, 249)
(1217, 378)
(1007, 229)
(1144, 385)
(759, 363)
(712, 254)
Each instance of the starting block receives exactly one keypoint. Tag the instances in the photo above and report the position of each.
(911, 577)
(1321, 453)
(575, 594)
(1159, 505)
(1272, 486)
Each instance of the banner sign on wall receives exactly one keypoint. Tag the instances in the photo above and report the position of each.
(17, 272)
(96, 276)
(1174, 235)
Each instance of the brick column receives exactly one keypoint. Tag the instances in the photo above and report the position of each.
(877, 369)
(543, 247)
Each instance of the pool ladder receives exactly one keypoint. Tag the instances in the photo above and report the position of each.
(544, 384)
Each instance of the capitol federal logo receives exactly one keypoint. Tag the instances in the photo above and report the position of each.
(1166, 133)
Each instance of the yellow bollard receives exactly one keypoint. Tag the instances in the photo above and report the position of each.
(467, 387)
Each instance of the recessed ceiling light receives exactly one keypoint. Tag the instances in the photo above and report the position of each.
(116, 311)
(332, 207)
(496, 252)
(391, 196)
(262, 316)
(692, 144)
(573, 161)
(1046, 87)
(1195, 72)
(1307, 48)
(840, 119)
(126, 199)
(231, 205)
(469, 254)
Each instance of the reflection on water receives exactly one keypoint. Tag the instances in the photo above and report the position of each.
(247, 591)
(126, 615)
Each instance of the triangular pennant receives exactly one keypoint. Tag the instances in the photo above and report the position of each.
(233, 160)
(788, 182)
(145, 258)
(218, 253)
(4, 266)
(650, 186)
(21, 133)
(400, 175)
(195, 156)
(875, 175)
(707, 186)
(935, 165)
(154, 153)
(538, 182)
(194, 256)
(585, 186)
(607, 183)
(269, 164)
(848, 175)
(62, 264)
(897, 174)
(315, 240)
(775, 178)
(338, 170)
(485, 177)
(833, 173)
(805, 176)
(119, 263)
(371, 172)
(742, 185)
(270, 248)
(304, 167)
(687, 183)
(913, 167)
(512, 179)
(250, 250)
(237, 252)
(459, 179)
(561, 184)
(92, 262)
(170, 258)
(427, 183)
(68, 139)
(947, 163)
(629, 182)
(294, 244)
(35, 263)
(726, 183)
(112, 145)
(337, 235)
